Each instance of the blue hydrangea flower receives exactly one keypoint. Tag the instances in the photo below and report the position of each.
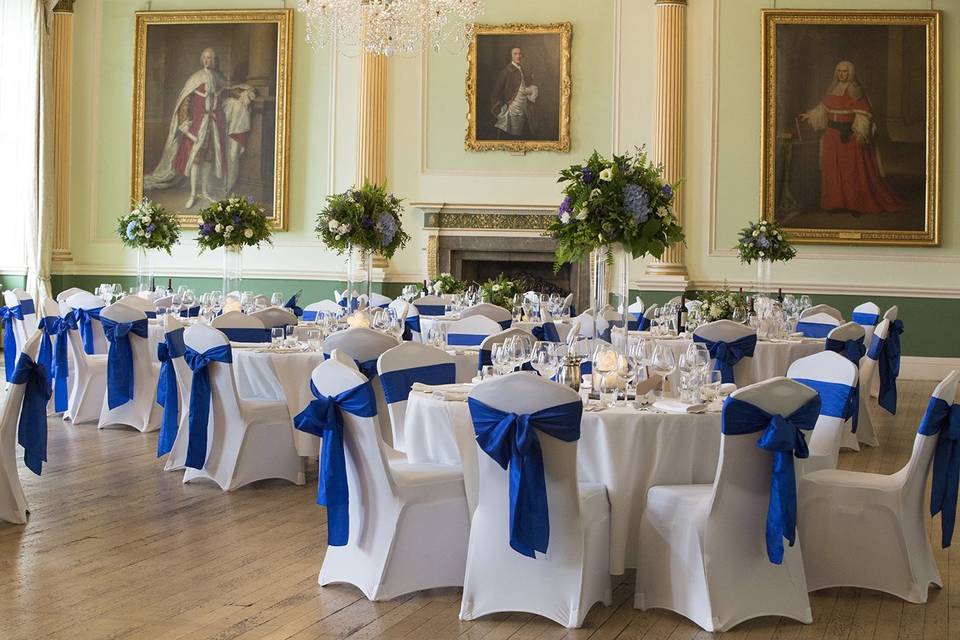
(150, 229)
(387, 228)
(207, 228)
(763, 243)
(132, 229)
(236, 219)
(566, 206)
(636, 202)
(366, 222)
(667, 192)
(586, 175)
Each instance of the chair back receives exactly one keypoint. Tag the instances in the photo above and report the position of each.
(64, 295)
(891, 313)
(88, 302)
(27, 326)
(486, 347)
(173, 331)
(146, 305)
(314, 309)
(725, 330)
(399, 368)
(914, 474)
(496, 313)
(521, 393)
(275, 317)
(49, 307)
(471, 331)
(240, 327)
(847, 331)
(817, 325)
(377, 300)
(224, 399)
(165, 301)
(13, 503)
(868, 365)
(823, 308)
(430, 305)
(568, 302)
(866, 314)
(835, 378)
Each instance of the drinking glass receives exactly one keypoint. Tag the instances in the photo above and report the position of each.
(710, 386)
(314, 339)
(502, 361)
(486, 372)
(276, 299)
(276, 337)
(543, 358)
(290, 335)
(176, 303)
(607, 388)
(116, 289)
(805, 302)
(663, 363)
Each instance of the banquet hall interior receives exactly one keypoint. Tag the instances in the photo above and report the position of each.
(479, 319)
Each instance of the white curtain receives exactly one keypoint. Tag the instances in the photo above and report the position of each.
(26, 127)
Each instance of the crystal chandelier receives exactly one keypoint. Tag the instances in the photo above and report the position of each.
(390, 27)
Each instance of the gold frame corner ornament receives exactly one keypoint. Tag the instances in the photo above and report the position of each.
(283, 18)
(562, 145)
(771, 19)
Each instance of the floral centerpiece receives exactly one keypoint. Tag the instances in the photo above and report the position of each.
(764, 242)
(233, 223)
(500, 291)
(446, 283)
(721, 305)
(148, 227)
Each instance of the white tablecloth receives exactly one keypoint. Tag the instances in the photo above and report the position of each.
(283, 376)
(627, 450)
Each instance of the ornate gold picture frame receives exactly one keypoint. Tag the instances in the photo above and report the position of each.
(851, 126)
(211, 109)
(518, 88)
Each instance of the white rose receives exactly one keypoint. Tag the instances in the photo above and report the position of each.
(229, 229)
(663, 212)
(218, 228)
(333, 225)
(248, 233)
(755, 233)
(779, 237)
(761, 254)
(564, 217)
(595, 193)
(141, 232)
(145, 219)
(581, 214)
(344, 228)
(495, 287)
(606, 175)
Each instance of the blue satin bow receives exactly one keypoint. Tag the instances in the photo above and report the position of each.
(511, 440)
(292, 305)
(199, 416)
(944, 419)
(32, 427)
(887, 354)
(9, 314)
(367, 368)
(783, 437)
(323, 418)
(865, 319)
(353, 307)
(640, 323)
(727, 354)
(84, 318)
(120, 373)
(60, 329)
(546, 332)
(852, 350)
(411, 325)
(397, 384)
(168, 391)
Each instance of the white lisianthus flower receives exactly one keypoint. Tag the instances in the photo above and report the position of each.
(564, 217)
(595, 193)
(755, 233)
(333, 225)
(663, 212)
(228, 229)
(145, 219)
(344, 228)
(581, 214)
(141, 232)
(606, 175)
(338, 236)
(218, 228)
(248, 233)
(761, 254)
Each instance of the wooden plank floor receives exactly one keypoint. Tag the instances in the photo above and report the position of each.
(117, 548)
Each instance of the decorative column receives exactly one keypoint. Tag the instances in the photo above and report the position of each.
(669, 116)
(372, 127)
(62, 81)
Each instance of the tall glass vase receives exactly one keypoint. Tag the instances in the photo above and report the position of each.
(765, 276)
(609, 292)
(359, 274)
(232, 269)
(144, 269)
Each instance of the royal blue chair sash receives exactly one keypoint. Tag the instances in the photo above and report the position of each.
(511, 440)
(246, 334)
(397, 384)
(192, 312)
(309, 315)
(323, 418)
(48, 326)
(727, 354)
(83, 319)
(866, 319)
(199, 415)
(367, 368)
(836, 399)
(167, 389)
(430, 309)
(852, 350)
(353, 307)
(9, 314)
(944, 419)
(815, 329)
(27, 307)
(887, 354)
(505, 324)
(32, 426)
(292, 305)
(59, 329)
(120, 374)
(464, 339)
(639, 323)
(783, 437)
(411, 325)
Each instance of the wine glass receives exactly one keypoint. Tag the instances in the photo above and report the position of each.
(276, 337)
(710, 385)
(276, 299)
(605, 362)
(501, 359)
(543, 358)
(663, 363)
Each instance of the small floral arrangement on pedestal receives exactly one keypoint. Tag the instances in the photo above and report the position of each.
(721, 305)
(148, 226)
(623, 200)
(446, 283)
(764, 240)
(500, 291)
(233, 222)
(367, 219)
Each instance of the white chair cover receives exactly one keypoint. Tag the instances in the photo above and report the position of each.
(817, 325)
(247, 440)
(88, 301)
(471, 331)
(275, 317)
(486, 347)
(408, 524)
(410, 317)
(403, 358)
(25, 328)
(728, 331)
(867, 315)
(178, 453)
(231, 320)
(823, 308)
(88, 378)
(702, 548)
(13, 502)
(866, 434)
(891, 315)
(869, 530)
(835, 378)
(434, 304)
(565, 582)
(142, 412)
(64, 295)
(496, 313)
(311, 311)
(147, 305)
(376, 300)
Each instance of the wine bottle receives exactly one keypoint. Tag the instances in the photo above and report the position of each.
(169, 284)
(153, 284)
(780, 295)
(682, 314)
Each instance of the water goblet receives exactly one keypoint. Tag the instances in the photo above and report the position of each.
(276, 299)
(290, 336)
(543, 358)
(663, 362)
(276, 337)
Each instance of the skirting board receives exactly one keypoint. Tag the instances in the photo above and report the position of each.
(927, 368)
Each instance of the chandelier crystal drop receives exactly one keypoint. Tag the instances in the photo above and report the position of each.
(390, 27)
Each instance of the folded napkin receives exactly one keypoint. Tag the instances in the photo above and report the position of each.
(446, 392)
(675, 406)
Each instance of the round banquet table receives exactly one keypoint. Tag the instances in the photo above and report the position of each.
(625, 449)
(279, 375)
